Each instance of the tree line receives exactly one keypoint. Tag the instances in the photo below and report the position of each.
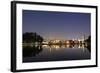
(32, 37)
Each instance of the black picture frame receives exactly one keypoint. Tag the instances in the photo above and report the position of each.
(13, 34)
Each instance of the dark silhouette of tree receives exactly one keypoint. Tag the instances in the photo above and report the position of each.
(30, 37)
(88, 41)
(39, 38)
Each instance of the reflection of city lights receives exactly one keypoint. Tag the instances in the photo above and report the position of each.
(56, 46)
(45, 46)
(67, 46)
(81, 46)
(50, 49)
(63, 46)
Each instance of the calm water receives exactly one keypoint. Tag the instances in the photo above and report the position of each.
(55, 53)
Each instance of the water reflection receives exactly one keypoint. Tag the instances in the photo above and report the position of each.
(64, 46)
(31, 50)
(35, 53)
(58, 47)
(36, 49)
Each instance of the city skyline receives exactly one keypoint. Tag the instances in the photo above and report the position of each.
(57, 25)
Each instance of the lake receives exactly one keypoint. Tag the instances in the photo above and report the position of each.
(42, 53)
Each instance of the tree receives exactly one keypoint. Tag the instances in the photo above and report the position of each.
(88, 41)
(30, 37)
(39, 38)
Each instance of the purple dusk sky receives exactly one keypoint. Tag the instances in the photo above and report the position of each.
(57, 25)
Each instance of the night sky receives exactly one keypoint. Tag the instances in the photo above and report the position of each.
(57, 25)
